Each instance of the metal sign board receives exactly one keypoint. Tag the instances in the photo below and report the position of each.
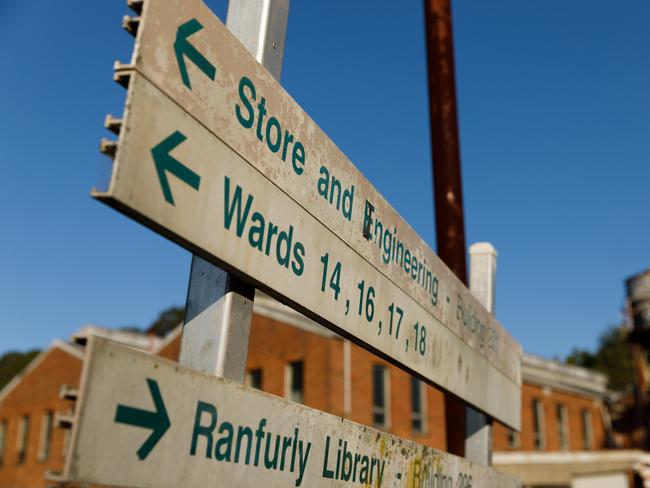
(177, 427)
(184, 50)
(175, 176)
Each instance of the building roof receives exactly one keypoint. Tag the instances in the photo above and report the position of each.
(266, 306)
(565, 377)
(135, 339)
(72, 350)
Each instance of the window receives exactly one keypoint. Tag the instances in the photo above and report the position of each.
(45, 440)
(418, 406)
(538, 425)
(294, 378)
(67, 434)
(562, 421)
(514, 441)
(587, 432)
(380, 397)
(21, 440)
(3, 440)
(254, 378)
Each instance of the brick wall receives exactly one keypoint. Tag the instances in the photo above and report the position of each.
(574, 403)
(273, 345)
(36, 394)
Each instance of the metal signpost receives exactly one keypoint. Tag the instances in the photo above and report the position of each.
(482, 282)
(177, 427)
(219, 305)
(213, 154)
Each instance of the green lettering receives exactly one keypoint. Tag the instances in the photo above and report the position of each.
(256, 230)
(229, 208)
(273, 146)
(248, 433)
(298, 158)
(261, 108)
(246, 122)
(298, 265)
(323, 182)
(273, 230)
(202, 430)
(271, 463)
(287, 139)
(224, 445)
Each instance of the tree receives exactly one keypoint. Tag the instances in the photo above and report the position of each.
(582, 358)
(613, 358)
(13, 363)
(167, 321)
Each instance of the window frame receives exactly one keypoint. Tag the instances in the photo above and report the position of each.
(45, 438)
(539, 435)
(562, 421)
(290, 393)
(587, 429)
(252, 377)
(514, 439)
(381, 410)
(4, 430)
(421, 416)
(22, 439)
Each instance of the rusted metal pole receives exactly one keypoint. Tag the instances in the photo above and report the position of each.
(450, 227)
(448, 196)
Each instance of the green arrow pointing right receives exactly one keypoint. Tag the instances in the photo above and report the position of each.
(157, 421)
(182, 48)
(165, 162)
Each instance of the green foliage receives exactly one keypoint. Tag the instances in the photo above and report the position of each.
(131, 328)
(167, 321)
(13, 363)
(613, 358)
(582, 358)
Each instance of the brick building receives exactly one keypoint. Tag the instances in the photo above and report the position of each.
(37, 408)
(30, 444)
(564, 417)
(293, 357)
(563, 409)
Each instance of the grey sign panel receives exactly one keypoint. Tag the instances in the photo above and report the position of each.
(176, 177)
(184, 50)
(144, 421)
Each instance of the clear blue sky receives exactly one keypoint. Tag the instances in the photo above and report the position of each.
(555, 131)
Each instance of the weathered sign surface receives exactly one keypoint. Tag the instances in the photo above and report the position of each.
(177, 427)
(175, 176)
(234, 170)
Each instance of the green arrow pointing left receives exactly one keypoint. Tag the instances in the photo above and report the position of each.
(165, 162)
(157, 421)
(183, 48)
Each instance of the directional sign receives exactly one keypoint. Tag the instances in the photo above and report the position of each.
(249, 110)
(239, 219)
(219, 433)
(343, 255)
